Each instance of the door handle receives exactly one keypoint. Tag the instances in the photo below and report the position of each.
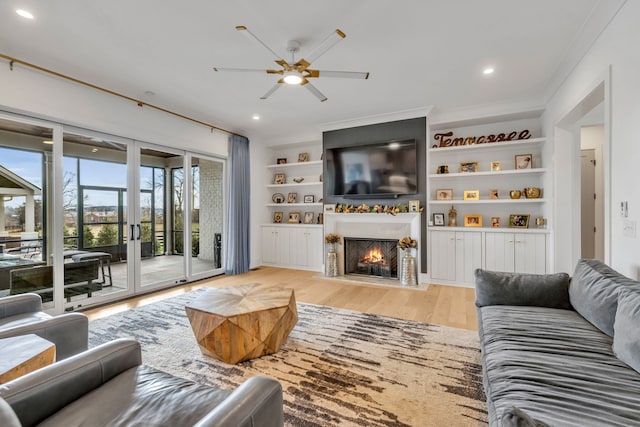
(139, 231)
(132, 234)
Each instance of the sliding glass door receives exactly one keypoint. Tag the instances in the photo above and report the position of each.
(27, 208)
(155, 237)
(87, 218)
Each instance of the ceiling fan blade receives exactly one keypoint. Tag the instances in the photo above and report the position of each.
(326, 44)
(284, 64)
(243, 70)
(339, 74)
(270, 92)
(249, 34)
(314, 90)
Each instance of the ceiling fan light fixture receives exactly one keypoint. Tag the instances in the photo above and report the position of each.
(292, 77)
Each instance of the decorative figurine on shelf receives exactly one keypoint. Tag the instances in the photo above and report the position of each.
(453, 217)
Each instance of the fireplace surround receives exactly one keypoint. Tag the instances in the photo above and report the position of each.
(374, 226)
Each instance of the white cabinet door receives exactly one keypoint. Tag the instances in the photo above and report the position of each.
(499, 251)
(269, 252)
(455, 255)
(530, 253)
(468, 255)
(443, 255)
(516, 252)
(314, 248)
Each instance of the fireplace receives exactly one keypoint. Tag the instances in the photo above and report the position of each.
(371, 257)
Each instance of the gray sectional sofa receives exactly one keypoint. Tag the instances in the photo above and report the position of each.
(560, 350)
(108, 386)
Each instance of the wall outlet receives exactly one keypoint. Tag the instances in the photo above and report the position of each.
(629, 228)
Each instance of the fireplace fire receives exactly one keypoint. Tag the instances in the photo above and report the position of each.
(371, 257)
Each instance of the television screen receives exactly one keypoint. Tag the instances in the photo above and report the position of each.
(387, 168)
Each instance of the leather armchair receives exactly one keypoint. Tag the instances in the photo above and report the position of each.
(22, 314)
(108, 385)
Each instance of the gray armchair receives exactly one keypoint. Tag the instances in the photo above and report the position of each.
(108, 385)
(22, 314)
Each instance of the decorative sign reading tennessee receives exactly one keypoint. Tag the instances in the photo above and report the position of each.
(447, 140)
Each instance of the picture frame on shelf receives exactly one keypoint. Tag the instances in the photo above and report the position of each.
(414, 205)
(278, 198)
(494, 194)
(468, 167)
(438, 220)
(303, 157)
(294, 218)
(495, 222)
(292, 198)
(473, 220)
(308, 218)
(523, 161)
(281, 161)
(444, 194)
(495, 166)
(280, 178)
(519, 220)
(329, 208)
(471, 195)
(309, 198)
(277, 217)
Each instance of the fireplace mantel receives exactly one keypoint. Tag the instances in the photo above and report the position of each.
(374, 225)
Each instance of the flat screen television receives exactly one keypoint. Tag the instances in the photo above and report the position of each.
(379, 169)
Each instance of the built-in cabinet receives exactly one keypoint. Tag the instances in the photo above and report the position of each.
(516, 252)
(292, 246)
(292, 230)
(455, 255)
(473, 165)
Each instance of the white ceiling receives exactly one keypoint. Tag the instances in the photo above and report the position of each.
(420, 53)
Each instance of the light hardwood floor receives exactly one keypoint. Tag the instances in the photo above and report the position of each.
(440, 305)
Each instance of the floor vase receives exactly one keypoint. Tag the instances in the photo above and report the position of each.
(408, 269)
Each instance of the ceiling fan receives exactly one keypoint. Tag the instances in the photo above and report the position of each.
(298, 72)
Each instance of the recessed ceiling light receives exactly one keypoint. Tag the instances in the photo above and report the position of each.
(94, 150)
(47, 142)
(255, 117)
(488, 70)
(24, 13)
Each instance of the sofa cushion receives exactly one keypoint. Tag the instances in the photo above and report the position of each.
(594, 292)
(540, 290)
(23, 319)
(141, 396)
(556, 367)
(626, 341)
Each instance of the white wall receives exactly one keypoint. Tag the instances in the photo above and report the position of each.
(43, 96)
(615, 48)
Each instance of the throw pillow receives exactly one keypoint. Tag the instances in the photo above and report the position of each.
(539, 290)
(594, 292)
(626, 340)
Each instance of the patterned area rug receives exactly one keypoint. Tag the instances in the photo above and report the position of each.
(337, 368)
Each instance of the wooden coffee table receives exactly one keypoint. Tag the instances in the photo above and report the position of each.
(242, 322)
(24, 354)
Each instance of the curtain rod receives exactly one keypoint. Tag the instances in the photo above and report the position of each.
(139, 102)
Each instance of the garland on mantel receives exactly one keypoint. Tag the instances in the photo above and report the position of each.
(388, 209)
